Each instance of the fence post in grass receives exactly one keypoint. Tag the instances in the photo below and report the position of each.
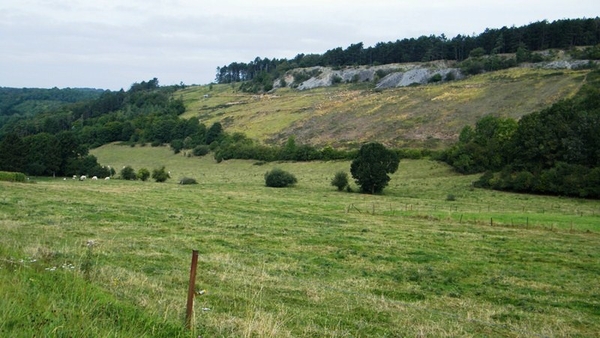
(460, 221)
(190, 299)
(491, 222)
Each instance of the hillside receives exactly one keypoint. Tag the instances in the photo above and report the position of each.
(346, 115)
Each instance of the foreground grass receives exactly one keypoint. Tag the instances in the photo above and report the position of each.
(303, 261)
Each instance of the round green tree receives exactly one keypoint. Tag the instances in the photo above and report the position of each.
(371, 167)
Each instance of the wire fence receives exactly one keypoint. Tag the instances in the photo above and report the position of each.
(555, 218)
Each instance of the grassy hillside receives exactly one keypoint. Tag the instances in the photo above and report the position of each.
(428, 115)
(301, 261)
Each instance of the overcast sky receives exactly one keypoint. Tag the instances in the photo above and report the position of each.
(111, 44)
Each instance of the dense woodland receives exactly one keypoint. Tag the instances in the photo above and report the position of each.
(561, 34)
(554, 151)
(57, 142)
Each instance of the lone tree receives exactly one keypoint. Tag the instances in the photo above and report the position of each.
(371, 167)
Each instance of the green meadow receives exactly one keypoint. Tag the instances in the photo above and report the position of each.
(432, 256)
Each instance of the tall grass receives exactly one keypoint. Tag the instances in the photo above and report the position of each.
(301, 261)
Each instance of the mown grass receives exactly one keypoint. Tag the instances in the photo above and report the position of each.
(301, 261)
(349, 114)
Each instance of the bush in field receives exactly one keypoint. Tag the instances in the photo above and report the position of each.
(201, 150)
(143, 174)
(340, 180)
(128, 173)
(160, 175)
(12, 176)
(188, 180)
(278, 178)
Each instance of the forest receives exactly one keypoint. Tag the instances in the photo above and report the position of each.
(57, 142)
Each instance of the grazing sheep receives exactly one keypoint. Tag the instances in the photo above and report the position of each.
(74, 177)
(82, 178)
(95, 178)
(107, 178)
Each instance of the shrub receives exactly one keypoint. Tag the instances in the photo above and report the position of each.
(278, 178)
(201, 150)
(177, 145)
(450, 76)
(340, 180)
(128, 173)
(143, 174)
(188, 180)
(436, 78)
(477, 52)
(12, 176)
(160, 175)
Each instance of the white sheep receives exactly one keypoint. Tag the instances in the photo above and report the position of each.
(74, 177)
(82, 178)
(95, 178)
(107, 178)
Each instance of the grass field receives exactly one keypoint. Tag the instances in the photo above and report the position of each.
(111, 258)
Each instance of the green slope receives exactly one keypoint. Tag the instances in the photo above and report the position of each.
(345, 115)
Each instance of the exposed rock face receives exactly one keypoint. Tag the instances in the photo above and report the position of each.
(387, 76)
(415, 76)
(395, 75)
(563, 64)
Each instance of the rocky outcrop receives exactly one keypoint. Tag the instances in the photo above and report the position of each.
(563, 64)
(416, 76)
(385, 76)
(394, 75)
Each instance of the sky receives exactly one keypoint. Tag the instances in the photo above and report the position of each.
(111, 44)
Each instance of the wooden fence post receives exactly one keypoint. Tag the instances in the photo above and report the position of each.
(190, 299)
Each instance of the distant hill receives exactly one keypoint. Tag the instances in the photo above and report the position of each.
(348, 114)
(32, 101)
(527, 42)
